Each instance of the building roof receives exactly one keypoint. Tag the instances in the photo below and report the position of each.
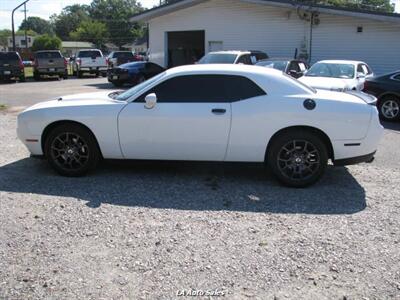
(350, 12)
(76, 44)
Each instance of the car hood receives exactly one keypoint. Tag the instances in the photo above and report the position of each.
(336, 84)
(85, 99)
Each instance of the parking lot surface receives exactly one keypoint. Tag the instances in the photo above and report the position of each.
(31, 92)
(142, 230)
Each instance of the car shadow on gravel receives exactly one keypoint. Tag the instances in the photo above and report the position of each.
(188, 186)
(391, 125)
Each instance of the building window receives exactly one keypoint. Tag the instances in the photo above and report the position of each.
(23, 42)
(360, 29)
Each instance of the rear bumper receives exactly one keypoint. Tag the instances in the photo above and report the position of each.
(13, 74)
(369, 158)
(93, 69)
(56, 71)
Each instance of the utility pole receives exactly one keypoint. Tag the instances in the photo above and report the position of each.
(26, 35)
(12, 22)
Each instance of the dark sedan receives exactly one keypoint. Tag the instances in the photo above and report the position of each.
(387, 89)
(133, 73)
(292, 67)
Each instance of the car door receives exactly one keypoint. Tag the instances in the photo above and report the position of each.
(191, 121)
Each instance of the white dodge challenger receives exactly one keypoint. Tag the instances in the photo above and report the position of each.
(231, 113)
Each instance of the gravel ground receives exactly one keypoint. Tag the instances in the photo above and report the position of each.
(150, 230)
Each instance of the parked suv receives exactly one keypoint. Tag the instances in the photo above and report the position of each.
(11, 66)
(89, 61)
(117, 58)
(51, 63)
(233, 57)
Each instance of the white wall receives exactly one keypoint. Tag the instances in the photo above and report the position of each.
(279, 31)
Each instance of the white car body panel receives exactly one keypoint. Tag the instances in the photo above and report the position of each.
(174, 131)
(190, 131)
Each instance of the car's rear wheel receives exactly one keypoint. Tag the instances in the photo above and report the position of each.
(297, 158)
(36, 75)
(79, 74)
(71, 150)
(389, 108)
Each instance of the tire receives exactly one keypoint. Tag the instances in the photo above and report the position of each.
(72, 150)
(22, 78)
(79, 74)
(65, 75)
(389, 108)
(74, 73)
(297, 158)
(36, 76)
(117, 83)
(104, 74)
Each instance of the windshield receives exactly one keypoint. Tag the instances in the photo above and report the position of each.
(278, 65)
(331, 70)
(218, 58)
(136, 89)
(8, 56)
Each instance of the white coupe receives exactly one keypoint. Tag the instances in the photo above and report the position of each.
(231, 113)
(338, 75)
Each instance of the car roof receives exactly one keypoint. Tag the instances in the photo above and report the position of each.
(222, 69)
(230, 52)
(47, 51)
(89, 50)
(354, 62)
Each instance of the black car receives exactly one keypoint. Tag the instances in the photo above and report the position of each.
(387, 89)
(11, 66)
(133, 73)
(293, 67)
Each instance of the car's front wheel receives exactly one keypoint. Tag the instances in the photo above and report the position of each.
(389, 108)
(71, 150)
(297, 158)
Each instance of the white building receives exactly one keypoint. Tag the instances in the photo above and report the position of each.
(20, 42)
(185, 30)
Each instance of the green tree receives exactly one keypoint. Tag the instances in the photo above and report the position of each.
(373, 5)
(115, 14)
(90, 31)
(69, 19)
(46, 42)
(4, 35)
(39, 25)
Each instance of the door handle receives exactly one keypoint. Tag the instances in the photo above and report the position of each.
(218, 111)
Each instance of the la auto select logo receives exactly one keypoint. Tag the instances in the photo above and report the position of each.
(200, 293)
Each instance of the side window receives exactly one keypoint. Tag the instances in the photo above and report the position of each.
(153, 68)
(360, 69)
(294, 66)
(245, 59)
(204, 89)
(367, 69)
(302, 66)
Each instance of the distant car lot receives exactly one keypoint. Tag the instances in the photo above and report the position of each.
(31, 92)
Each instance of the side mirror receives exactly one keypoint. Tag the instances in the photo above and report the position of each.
(151, 101)
(360, 75)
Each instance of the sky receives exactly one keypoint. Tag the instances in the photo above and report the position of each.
(45, 8)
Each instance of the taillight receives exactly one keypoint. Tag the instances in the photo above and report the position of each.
(107, 61)
(35, 63)
(21, 64)
(78, 61)
(65, 62)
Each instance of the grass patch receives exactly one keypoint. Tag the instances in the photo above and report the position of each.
(3, 106)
